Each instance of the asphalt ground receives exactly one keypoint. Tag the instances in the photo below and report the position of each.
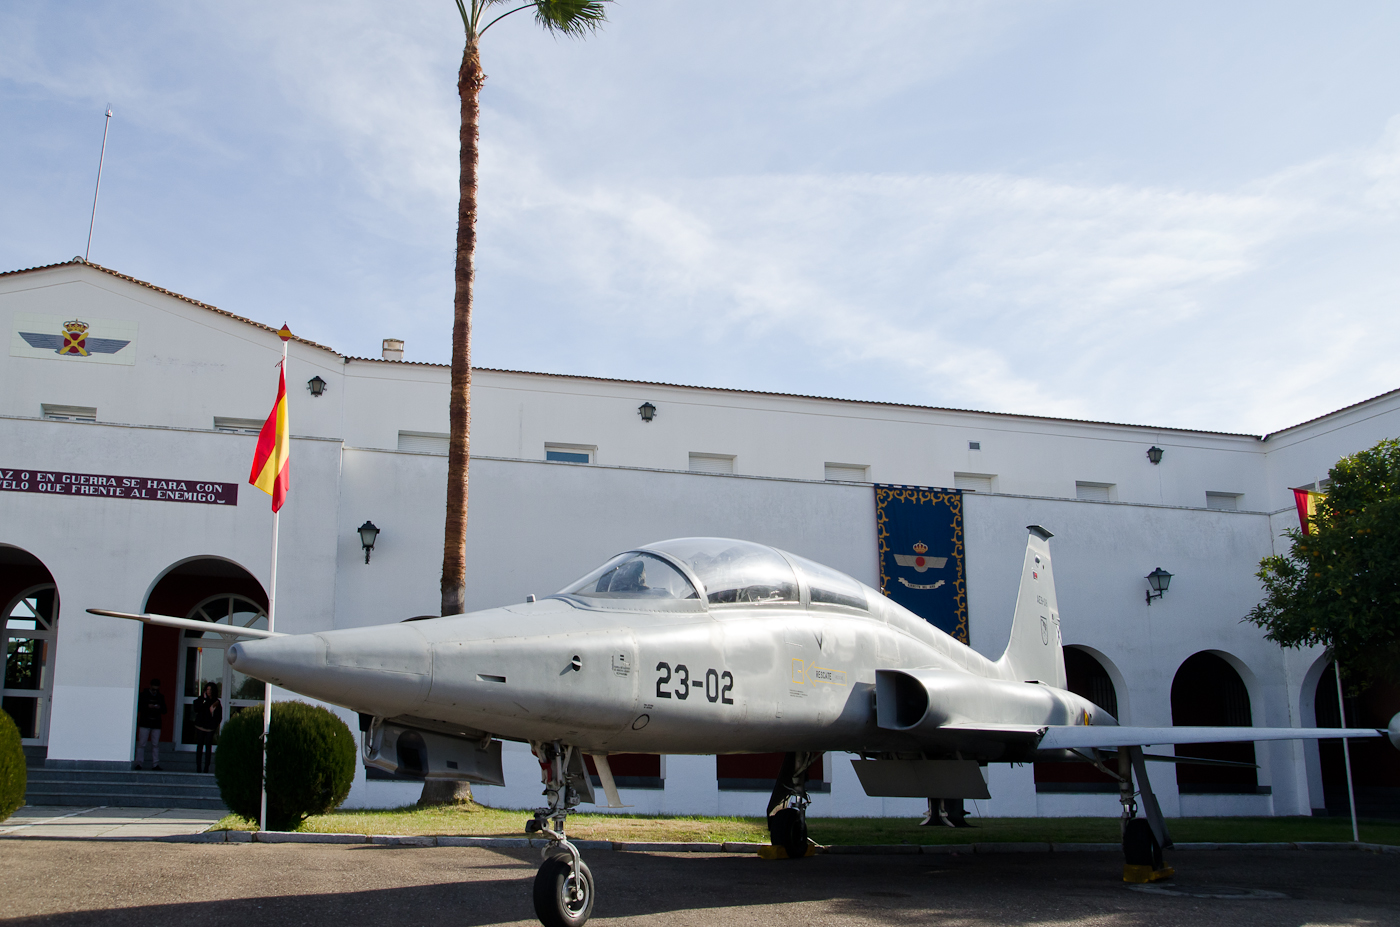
(149, 884)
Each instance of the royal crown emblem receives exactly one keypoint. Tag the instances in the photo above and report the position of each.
(921, 548)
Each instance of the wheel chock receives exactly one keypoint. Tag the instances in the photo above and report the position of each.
(1144, 874)
(772, 852)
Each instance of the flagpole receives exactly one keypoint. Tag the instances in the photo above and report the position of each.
(271, 618)
(1346, 753)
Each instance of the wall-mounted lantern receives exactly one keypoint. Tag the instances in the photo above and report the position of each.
(647, 411)
(368, 534)
(317, 386)
(1159, 579)
(1154, 454)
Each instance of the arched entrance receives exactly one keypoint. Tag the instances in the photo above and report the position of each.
(1086, 676)
(1375, 764)
(29, 631)
(1209, 692)
(204, 589)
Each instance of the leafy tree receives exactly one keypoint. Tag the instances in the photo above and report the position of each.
(567, 17)
(1340, 584)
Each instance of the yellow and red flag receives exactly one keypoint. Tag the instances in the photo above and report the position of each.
(1306, 500)
(272, 460)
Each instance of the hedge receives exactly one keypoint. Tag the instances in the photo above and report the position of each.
(310, 763)
(13, 775)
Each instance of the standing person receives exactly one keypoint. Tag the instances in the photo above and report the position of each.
(208, 715)
(150, 709)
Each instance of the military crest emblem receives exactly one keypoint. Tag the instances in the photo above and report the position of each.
(94, 340)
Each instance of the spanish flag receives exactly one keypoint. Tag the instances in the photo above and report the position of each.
(272, 460)
(1306, 500)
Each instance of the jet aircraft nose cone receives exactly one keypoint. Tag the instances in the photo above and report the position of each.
(386, 670)
(1394, 730)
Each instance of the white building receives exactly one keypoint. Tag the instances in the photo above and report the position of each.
(174, 390)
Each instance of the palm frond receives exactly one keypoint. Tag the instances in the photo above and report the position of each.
(571, 17)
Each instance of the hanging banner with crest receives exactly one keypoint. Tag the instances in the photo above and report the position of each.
(922, 557)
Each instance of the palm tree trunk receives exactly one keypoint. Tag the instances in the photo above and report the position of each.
(454, 546)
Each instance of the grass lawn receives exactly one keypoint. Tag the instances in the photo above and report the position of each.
(478, 821)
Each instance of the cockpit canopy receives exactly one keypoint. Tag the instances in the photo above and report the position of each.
(730, 573)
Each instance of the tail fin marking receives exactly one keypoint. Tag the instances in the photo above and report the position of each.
(1035, 651)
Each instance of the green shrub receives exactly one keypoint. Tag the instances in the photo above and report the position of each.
(310, 763)
(13, 776)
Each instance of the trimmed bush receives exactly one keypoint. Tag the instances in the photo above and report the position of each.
(13, 776)
(310, 763)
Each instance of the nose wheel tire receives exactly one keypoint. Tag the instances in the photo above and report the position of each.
(558, 901)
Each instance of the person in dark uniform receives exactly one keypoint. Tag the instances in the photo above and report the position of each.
(150, 708)
(208, 715)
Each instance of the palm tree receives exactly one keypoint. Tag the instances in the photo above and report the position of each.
(569, 17)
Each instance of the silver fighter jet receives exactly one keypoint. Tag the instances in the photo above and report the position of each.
(710, 645)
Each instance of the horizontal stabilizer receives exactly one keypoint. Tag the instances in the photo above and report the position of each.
(1108, 737)
(188, 624)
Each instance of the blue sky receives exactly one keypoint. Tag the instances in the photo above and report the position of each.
(1182, 214)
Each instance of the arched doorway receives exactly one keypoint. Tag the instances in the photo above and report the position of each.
(204, 589)
(1209, 692)
(1085, 676)
(29, 631)
(1375, 765)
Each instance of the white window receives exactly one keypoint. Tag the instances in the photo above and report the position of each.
(1093, 492)
(423, 442)
(847, 473)
(570, 453)
(973, 482)
(57, 413)
(712, 463)
(1223, 501)
(242, 426)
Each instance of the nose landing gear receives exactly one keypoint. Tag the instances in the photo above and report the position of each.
(787, 806)
(564, 889)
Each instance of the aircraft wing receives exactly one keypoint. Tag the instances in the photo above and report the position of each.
(1103, 737)
(188, 624)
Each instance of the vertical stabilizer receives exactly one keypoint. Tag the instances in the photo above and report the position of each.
(1035, 651)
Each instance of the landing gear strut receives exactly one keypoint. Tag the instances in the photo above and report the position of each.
(1145, 837)
(787, 806)
(564, 890)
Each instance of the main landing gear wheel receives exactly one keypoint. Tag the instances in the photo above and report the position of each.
(787, 806)
(788, 829)
(560, 901)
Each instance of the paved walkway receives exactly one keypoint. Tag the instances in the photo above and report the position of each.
(146, 883)
(106, 822)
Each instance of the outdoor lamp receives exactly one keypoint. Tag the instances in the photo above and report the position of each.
(1159, 579)
(368, 532)
(1154, 454)
(317, 386)
(647, 411)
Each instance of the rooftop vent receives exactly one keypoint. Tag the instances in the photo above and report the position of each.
(393, 349)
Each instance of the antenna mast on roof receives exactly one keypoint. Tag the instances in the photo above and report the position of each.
(103, 157)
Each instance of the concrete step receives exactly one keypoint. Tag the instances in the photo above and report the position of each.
(97, 799)
(123, 787)
(135, 777)
(50, 785)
